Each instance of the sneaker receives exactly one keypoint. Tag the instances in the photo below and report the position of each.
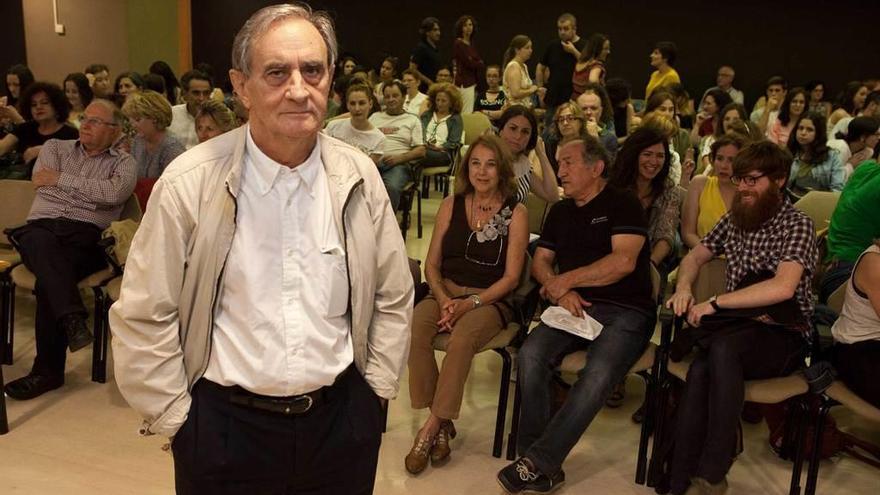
(523, 477)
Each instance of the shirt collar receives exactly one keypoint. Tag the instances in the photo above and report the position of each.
(111, 150)
(268, 170)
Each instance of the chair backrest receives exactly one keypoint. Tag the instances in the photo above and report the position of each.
(131, 210)
(537, 209)
(475, 124)
(16, 197)
(525, 296)
(711, 280)
(835, 300)
(819, 206)
(655, 282)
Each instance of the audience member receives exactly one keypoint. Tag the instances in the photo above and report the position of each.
(816, 167)
(592, 259)
(557, 65)
(196, 87)
(681, 167)
(404, 141)
(849, 102)
(387, 73)
(444, 75)
(357, 129)
(774, 93)
(154, 82)
(780, 122)
(81, 187)
(442, 125)
(425, 59)
(857, 142)
(213, 119)
(474, 262)
(518, 85)
(758, 329)
(620, 94)
(492, 102)
(469, 66)
(662, 103)
(729, 116)
(709, 117)
(591, 64)
(598, 116)
(568, 126)
(127, 83)
(853, 226)
(347, 63)
(152, 148)
(45, 110)
(710, 197)
(724, 82)
(684, 105)
(663, 60)
(856, 351)
(79, 96)
(99, 78)
(870, 108)
(817, 103)
(518, 127)
(18, 78)
(415, 102)
(172, 86)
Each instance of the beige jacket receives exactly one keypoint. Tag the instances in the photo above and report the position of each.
(163, 322)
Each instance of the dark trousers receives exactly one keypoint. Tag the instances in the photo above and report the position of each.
(858, 366)
(547, 440)
(60, 253)
(710, 407)
(226, 448)
(836, 275)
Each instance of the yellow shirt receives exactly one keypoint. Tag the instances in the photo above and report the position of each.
(712, 207)
(660, 80)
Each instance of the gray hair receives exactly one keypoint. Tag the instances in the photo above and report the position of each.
(118, 117)
(262, 19)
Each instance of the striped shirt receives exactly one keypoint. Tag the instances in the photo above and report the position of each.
(90, 189)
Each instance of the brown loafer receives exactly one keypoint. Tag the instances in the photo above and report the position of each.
(417, 459)
(442, 449)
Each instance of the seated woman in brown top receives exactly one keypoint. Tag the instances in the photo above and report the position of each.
(474, 262)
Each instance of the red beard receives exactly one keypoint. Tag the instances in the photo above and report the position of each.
(751, 217)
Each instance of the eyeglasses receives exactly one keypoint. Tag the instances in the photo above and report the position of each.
(468, 257)
(750, 180)
(567, 118)
(95, 121)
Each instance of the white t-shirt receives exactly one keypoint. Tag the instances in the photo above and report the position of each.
(183, 126)
(415, 104)
(370, 142)
(402, 132)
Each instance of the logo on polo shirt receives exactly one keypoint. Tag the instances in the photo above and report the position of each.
(598, 220)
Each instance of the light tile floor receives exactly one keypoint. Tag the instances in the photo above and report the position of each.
(82, 439)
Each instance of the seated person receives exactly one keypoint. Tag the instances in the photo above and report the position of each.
(732, 117)
(568, 125)
(763, 320)
(152, 148)
(680, 173)
(213, 119)
(780, 122)
(856, 352)
(126, 84)
(45, 110)
(849, 103)
(404, 141)
(709, 197)
(442, 125)
(774, 92)
(620, 95)
(709, 117)
(357, 129)
(196, 88)
(854, 224)
(82, 186)
(415, 102)
(518, 127)
(599, 116)
(856, 143)
(592, 258)
(662, 103)
(492, 102)
(816, 166)
(79, 95)
(642, 168)
(474, 262)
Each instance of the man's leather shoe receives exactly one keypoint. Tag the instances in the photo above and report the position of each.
(78, 334)
(32, 385)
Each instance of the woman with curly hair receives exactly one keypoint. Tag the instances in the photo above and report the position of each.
(442, 125)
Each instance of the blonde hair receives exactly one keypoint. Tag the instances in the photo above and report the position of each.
(222, 115)
(661, 123)
(574, 109)
(150, 105)
(455, 102)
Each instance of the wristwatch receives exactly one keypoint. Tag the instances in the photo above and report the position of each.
(476, 300)
(714, 302)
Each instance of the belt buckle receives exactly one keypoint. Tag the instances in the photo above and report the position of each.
(309, 401)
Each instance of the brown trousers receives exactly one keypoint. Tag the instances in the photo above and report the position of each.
(442, 389)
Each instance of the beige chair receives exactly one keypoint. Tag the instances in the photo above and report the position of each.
(24, 278)
(537, 209)
(819, 206)
(524, 301)
(16, 197)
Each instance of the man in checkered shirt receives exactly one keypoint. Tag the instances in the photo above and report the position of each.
(771, 253)
(82, 186)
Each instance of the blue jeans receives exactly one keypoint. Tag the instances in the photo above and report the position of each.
(547, 441)
(394, 178)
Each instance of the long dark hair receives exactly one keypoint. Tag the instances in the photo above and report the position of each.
(626, 167)
(516, 111)
(594, 47)
(25, 79)
(161, 68)
(740, 110)
(817, 151)
(845, 98)
(785, 110)
(82, 85)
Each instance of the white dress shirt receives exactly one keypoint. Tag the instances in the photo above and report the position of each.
(183, 126)
(281, 326)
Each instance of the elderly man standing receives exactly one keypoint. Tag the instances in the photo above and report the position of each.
(82, 186)
(592, 259)
(264, 316)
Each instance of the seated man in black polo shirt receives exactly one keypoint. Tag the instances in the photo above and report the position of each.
(596, 238)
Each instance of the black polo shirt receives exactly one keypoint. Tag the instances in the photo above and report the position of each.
(561, 65)
(427, 60)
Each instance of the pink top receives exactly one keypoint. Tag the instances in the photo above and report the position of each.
(778, 133)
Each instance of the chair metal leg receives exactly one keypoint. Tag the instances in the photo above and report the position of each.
(8, 320)
(647, 424)
(813, 471)
(514, 424)
(419, 228)
(101, 331)
(504, 389)
(795, 447)
(4, 422)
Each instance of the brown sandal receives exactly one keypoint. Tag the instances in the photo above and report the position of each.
(442, 449)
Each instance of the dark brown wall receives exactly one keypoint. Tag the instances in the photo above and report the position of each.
(835, 41)
(11, 37)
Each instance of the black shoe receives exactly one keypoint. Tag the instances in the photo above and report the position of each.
(32, 385)
(523, 477)
(639, 415)
(78, 334)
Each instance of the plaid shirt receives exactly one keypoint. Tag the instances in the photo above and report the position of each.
(90, 189)
(788, 236)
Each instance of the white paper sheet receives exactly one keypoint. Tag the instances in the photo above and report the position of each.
(585, 327)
